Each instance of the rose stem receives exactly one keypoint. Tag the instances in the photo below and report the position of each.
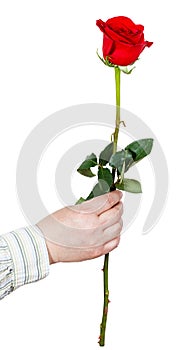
(106, 259)
(116, 132)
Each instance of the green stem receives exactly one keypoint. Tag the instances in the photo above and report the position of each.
(116, 132)
(106, 301)
(106, 259)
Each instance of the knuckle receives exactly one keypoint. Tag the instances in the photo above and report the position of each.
(118, 228)
(120, 208)
(121, 224)
(118, 213)
(117, 241)
(111, 245)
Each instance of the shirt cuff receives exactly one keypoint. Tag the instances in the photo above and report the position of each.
(23, 258)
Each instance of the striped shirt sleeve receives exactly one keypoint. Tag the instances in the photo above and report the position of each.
(23, 258)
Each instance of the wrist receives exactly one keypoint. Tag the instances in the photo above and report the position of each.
(51, 248)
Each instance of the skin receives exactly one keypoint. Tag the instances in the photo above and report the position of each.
(92, 228)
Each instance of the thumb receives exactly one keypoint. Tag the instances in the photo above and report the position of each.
(100, 204)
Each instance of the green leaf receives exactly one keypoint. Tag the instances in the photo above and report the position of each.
(86, 172)
(80, 200)
(140, 148)
(90, 196)
(119, 158)
(132, 154)
(106, 154)
(130, 185)
(89, 162)
(105, 175)
(100, 188)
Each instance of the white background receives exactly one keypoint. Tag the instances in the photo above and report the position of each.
(48, 62)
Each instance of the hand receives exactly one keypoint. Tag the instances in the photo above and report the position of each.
(84, 231)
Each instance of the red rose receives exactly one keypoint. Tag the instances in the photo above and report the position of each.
(123, 41)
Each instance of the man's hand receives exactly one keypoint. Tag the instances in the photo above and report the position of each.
(84, 231)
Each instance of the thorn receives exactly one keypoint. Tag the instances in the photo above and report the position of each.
(102, 269)
(109, 301)
(122, 122)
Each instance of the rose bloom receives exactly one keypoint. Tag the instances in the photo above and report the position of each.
(123, 41)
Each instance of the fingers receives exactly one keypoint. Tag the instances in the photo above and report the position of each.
(100, 204)
(111, 216)
(113, 231)
(108, 247)
(109, 200)
(104, 249)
